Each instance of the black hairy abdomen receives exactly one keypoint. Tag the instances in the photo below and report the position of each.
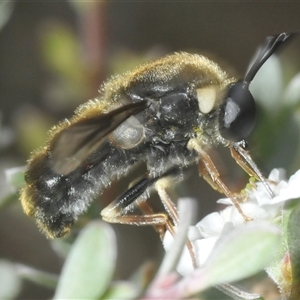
(59, 199)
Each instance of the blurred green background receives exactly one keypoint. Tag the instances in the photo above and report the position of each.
(53, 57)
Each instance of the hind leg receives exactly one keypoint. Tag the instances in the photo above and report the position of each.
(119, 211)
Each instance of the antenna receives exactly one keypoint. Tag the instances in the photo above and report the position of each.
(270, 45)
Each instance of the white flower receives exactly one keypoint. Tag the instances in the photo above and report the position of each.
(259, 206)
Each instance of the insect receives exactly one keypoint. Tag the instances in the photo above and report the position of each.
(165, 114)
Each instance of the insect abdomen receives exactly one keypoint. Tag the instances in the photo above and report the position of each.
(57, 200)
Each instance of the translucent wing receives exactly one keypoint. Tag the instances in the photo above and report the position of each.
(70, 147)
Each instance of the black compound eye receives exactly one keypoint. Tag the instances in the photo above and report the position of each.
(238, 113)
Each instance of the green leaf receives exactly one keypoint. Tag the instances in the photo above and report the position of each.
(242, 253)
(61, 247)
(8, 200)
(144, 275)
(278, 153)
(89, 267)
(37, 276)
(6, 10)
(292, 92)
(121, 290)
(15, 177)
(293, 239)
(239, 254)
(60, 49)
(10, 285)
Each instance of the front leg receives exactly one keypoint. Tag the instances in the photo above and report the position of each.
(210, 173)
(243, 158)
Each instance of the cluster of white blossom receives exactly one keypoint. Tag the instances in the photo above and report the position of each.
(259, 206)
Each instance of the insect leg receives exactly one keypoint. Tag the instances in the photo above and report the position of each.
(205, 173)
(116, 212)
(242, 157)
(146, 209)
(171, 209)
(212, 176)
(160, 186)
